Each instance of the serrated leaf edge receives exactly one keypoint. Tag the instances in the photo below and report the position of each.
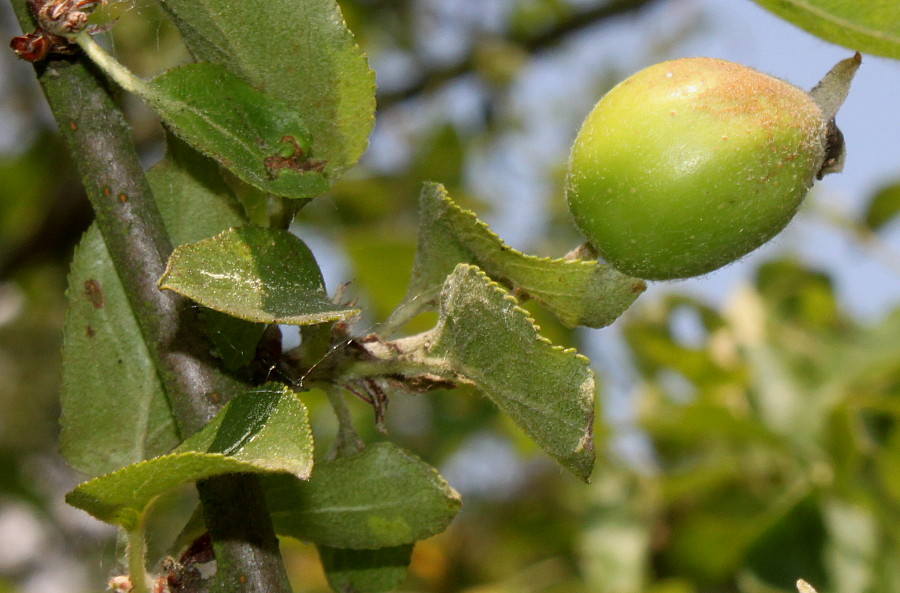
(308, 319)
(155, 98)
(448, 203)
(496, 286)
(83, 490)
(451, 494)
(450, 497)
(587, 388)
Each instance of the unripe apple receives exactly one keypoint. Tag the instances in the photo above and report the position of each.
(690, 164)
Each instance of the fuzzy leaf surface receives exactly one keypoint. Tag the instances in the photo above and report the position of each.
(257, 274)
(380, 497)
(578, 292)
(242, 128)
(114, 408)
(299, 52)
(196, 203)
(872, 26)
(193, 200)
(366, 571)
(548, 391)
(263, 430)
(109, 380)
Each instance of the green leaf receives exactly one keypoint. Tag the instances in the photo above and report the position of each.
(196, 203)
(234, 339)
(193, 199)
(301, 53)
(104, 355)
(365, 571)
(872, 27)
(547, 391)
(578, 292)
(256, 136)
(263, 430)
(114, 408)
(380, 497)
(257, 274)
(883, 207)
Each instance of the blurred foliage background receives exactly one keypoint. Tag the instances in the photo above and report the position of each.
(746, 441)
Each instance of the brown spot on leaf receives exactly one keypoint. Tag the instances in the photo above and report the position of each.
(123, 198)
(94, 293)
(89, 332)
(275, 164)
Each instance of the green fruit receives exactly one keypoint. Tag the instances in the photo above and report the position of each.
(690, 164)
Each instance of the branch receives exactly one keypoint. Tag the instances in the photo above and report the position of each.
(534, 43)
(100, 143)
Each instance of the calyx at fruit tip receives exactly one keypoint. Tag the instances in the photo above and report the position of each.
(832, 90)
(829, 95)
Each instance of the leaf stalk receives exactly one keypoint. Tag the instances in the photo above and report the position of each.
(121, 75)
(135, 552)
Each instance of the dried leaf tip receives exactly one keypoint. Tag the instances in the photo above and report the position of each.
(832, 90)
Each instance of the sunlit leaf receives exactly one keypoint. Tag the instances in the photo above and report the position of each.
(256, 136)
(299, 52)
(257, 274)
(196, 203)
(548, 391)
(265, 430)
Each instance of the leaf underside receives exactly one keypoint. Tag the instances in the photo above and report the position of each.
(548, 391)
(872, 26)
(265, 430)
